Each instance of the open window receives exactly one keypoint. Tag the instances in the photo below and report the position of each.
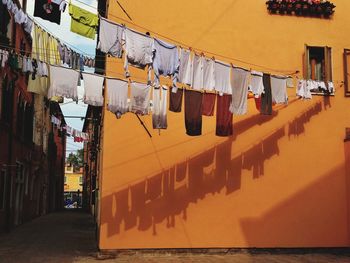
(318, 67)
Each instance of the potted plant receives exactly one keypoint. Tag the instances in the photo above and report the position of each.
(290, 6)
(283, 7)
(298, 7)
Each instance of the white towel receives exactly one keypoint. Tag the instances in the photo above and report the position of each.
(279, 90)
(209, 74)
(222, 78)
(140, 95)
(117, 96)
(159, 115)
(63, 82)
(93, 85)
(256, 83)
(186, 67)
(198, 77)
(239, 82)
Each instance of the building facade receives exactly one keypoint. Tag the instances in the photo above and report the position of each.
(31, 153)
(279, 181)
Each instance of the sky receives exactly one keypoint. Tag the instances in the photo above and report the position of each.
(80, 44)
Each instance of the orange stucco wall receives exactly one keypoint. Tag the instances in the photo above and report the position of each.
(280, 181)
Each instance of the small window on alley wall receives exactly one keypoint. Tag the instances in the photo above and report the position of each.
(318, 67)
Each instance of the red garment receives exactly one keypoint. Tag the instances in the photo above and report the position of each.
(258, 103)
(224, 126)
(208, 104)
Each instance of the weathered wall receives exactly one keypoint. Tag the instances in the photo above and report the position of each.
(280, 181)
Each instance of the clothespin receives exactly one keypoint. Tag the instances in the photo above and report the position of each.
(202, 54)
(213, 58)
(190, 48)
(232, 65)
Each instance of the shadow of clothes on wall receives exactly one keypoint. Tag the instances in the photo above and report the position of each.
(169, 193)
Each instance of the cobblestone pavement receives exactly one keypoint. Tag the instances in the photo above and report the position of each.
(69, 237)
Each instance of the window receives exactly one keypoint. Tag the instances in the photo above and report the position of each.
(346, 72)
(2, 189)
(4, 25)
(6, 99)
(318, 66)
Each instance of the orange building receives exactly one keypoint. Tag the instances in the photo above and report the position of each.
(279, 181)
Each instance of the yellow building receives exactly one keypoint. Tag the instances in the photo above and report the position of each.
(279, 181)
(73, 185)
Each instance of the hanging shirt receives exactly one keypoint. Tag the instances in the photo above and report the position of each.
(166, 61)
(193, 112)
(47, 11)
(198, 77)
(175, 100)
(138, 51)
(279, 89)
(186, 67)
(222, 78)
(63, 82)
(239, 82)
(93, 85)
(209, 74)
(140, 95)
(110, 38)
(117, 96)
(159, 115)
(83, 22)
(256, 83)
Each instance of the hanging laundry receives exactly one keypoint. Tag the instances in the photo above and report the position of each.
(239, 83)
(20, 16)
(208, 104)
(83, 22)
(48, 11)
(159, 115)
(28, 25)
(222, 78)
(304, 88)
(93, 85)
(193, 112)
(63, 82)
(166, 61)
(224, 126)
(175, 101)
(110, 38)
(138, 51)
(117, 96)
(279, 89)
(198, 77)
(209, 74)
(140, 96)
(266, 97)
(256, 85)
(4, 57)
(290, 82)
(186, 67)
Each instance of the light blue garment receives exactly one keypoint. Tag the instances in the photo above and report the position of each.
(166, 61)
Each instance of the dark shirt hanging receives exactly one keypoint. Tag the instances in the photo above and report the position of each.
(224, 126)
(193, 112)
(47, 11)
(266, 98)
(175, 101)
